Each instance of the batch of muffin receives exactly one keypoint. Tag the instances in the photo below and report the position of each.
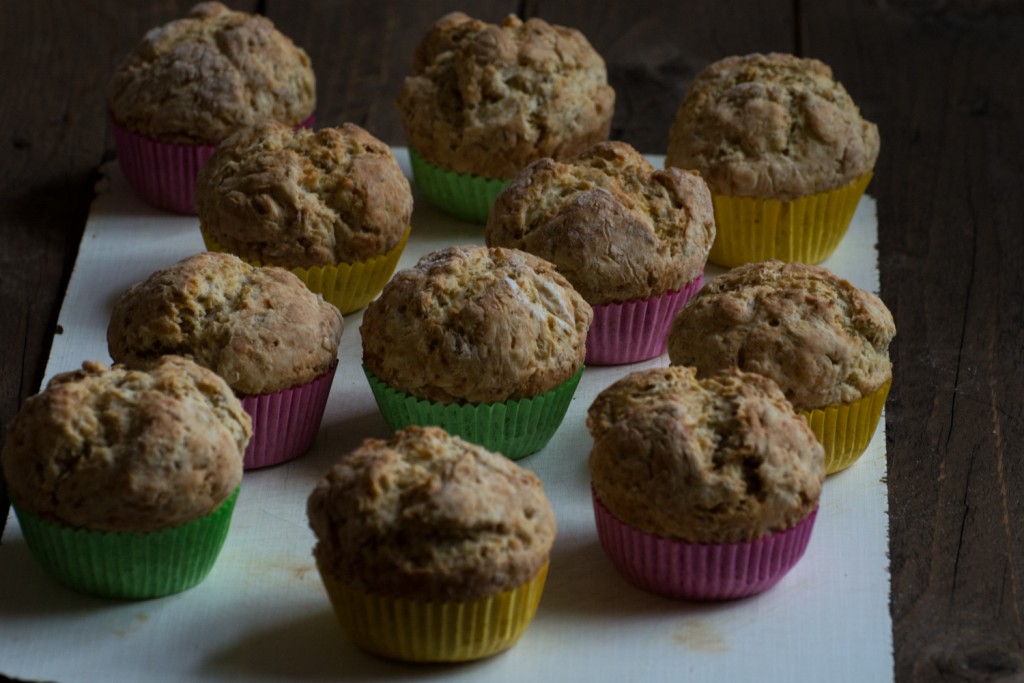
(434, 545)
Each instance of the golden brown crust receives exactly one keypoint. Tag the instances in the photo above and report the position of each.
(296, 198)
(260, 329)
(822, 340)
(772, 126)
(488, 99)
(477, 325)
(112, 449)
(429, 516)
(717, 460)
(615, 227)
(196, 79)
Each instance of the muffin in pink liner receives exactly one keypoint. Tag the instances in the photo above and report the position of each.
(271, 339)
(703, 489)
(632, 240)
(191, 82)
(636, 330)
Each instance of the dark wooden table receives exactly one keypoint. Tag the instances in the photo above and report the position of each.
(944, 79)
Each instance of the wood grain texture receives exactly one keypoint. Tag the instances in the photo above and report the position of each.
(949, 203)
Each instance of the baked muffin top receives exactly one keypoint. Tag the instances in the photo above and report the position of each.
(488, 99)
(429, 516)
(722, 459)
(476, 324)
(296, 198)
(615, 227)
(260, 329)
(821, 339)
(113, 449)
(773, 126)
(196, 79)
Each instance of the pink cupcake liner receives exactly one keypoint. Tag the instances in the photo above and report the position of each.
(163, 174)
(285, 423)
(697, 571)
(632, 331)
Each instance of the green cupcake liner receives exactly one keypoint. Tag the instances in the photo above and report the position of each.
(463, 195)
(126, 564)
(514, 428)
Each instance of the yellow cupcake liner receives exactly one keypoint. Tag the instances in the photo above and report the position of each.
(807, 229)
(426, 631)
(349, 286)
(846, 430)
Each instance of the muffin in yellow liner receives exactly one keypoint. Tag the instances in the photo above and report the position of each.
(333, 206)
(784, 150)
(846, 430)
(807, 229)
(349, 286)
(431, 548)
(824, 341)
(426, 631)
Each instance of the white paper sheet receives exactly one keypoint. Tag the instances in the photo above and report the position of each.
(262, 613)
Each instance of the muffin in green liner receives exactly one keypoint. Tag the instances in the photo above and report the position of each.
(463, 195)
(114, 564)
(515, 428)
(124, 481)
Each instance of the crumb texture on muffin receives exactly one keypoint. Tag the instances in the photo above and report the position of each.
(113, 449)
(260, 329)
(771, 126)
(197, 79)
(429, 516)
(476, 324)
(296, 198)
(821, 339)
(615, 227)
(488, 99)
(716, 460)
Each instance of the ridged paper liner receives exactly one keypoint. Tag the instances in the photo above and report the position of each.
(163, 174)
(632, 331)
(807, 229)
(697, 571)
(846, 430)
(422, 631)
(349, 286)
(513, 428)
(125, 564)
(285, 423)
(463, 195)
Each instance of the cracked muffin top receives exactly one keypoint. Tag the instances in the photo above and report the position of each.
(488, 99)
(772, 126)
(476, 324)
(429, 516)
(722, 459)
(821, 339)
(261, 329)
(197, 79)
(113, 449)
(298, 198)
(615, 227)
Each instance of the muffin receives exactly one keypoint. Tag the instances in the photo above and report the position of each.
(703, 489)
(486, 342)
(822, 340)
(333, 206)
(190, 83)
(124, 481)
(431, 548)
(784, 150)
(484, 100)
(272, 340)
(632, 240)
